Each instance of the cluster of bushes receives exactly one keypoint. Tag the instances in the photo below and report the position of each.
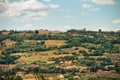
(53, 70)
(60, 52)
(9, 75)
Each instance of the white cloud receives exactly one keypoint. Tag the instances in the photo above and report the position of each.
(47, 0)
(28, 25)
(41, 15)
(86, 5)
(103, 2)
(82, 13)
(66, 27)
(54, 6)
(95, 9)
(27, 9)
(116, 21)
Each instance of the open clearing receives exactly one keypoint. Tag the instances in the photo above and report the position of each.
(41, 56)
(53, 43)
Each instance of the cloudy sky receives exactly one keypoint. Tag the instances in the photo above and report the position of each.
(60, 14)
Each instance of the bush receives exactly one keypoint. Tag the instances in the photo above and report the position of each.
(18, 78)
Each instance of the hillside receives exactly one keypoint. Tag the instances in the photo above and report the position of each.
(56, 55)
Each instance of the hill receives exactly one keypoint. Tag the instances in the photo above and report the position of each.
(72, 55)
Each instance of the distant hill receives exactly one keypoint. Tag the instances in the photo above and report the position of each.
(42, 31)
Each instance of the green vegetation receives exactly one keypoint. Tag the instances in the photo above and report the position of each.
(74, 54)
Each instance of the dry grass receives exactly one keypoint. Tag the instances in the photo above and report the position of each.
(32, 41)
(70, 50)
(44, 56)
(95, 57)
(9, 43)
(5, 33)
(22, 34)
(41, 56)
(48, 43)
(118, 45)
(52, 43)
(30, 79)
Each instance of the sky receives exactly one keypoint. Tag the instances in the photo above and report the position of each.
(60, 15)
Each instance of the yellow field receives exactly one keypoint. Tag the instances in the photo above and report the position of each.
(9, 43)
(52, 43)
(48, 43)
(44, 56)
(70, 50)
(30, 79)
(118, 45)
(32, 41)
(40, 56)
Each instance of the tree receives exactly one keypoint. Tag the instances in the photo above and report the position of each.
(100, 30)
(18, 78)
(36, 31)
(37, 74)
(9, 75)
(117, 68)
(97, 53)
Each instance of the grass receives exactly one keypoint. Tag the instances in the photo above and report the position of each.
(40, 57)
(9, 43)
(48, 43)
(52, 43)
(114, 57)
(32, 41)
(44, 56)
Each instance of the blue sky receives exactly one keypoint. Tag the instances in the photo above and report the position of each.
(60, 14)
